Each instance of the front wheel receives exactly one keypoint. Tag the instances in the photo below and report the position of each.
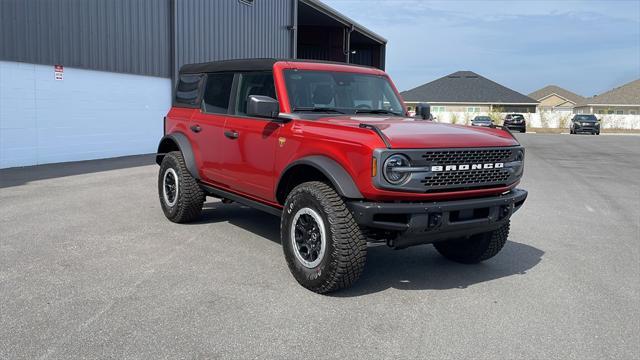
(476, 248)
(323, 245)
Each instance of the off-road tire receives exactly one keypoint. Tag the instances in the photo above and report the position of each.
(476, 248)
(190, 197)
(346, 247)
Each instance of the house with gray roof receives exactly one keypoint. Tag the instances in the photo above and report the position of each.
(623, 100)
(466, 91)
(555, 98)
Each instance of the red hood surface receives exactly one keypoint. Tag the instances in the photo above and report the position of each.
(409, 133)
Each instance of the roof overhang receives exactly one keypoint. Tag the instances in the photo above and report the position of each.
(347, 22)
(469, 103)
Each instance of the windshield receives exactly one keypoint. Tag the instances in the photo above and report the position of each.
(586, 118)
(340, 92)
(517, 117)
(482, 119)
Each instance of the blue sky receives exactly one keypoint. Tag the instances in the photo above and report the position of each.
(584, 46)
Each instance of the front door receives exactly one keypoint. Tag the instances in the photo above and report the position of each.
(251, 143)
(207, 127)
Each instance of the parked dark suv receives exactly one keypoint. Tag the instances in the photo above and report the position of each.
(515, 122)
(584, 124)
(482, 121)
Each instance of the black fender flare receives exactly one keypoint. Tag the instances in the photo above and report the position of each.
(339, 177)
(182, 142)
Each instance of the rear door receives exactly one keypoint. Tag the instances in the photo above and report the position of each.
(250, 143)
(207, 127)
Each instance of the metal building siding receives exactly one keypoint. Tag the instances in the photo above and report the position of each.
(130, 36)
(216, 30)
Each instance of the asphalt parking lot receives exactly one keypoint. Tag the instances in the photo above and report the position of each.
(90, 268)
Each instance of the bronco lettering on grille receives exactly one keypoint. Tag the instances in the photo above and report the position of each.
(466, 167)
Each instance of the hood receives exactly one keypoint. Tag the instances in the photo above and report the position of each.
(409, 133)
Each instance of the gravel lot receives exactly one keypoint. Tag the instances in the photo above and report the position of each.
(90, 268)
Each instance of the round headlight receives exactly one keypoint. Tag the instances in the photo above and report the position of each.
(396, 161)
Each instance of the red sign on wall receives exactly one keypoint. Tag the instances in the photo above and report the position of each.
(58, 71)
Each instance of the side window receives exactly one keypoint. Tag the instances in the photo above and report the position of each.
(187, 90)
(217, 92)
(260, 83)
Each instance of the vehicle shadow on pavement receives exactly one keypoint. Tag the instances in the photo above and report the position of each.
(414, 268)
(422, 268)
(255, 221)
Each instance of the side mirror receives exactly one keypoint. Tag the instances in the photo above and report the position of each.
(423, 111)
(262, 106)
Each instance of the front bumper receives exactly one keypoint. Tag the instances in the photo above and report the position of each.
(520, 127)
(421, 223)
(586, 128)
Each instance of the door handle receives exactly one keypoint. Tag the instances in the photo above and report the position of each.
(231, 134)
(196, 128)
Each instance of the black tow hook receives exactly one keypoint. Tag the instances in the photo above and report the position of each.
(435, 220)
(506, 210)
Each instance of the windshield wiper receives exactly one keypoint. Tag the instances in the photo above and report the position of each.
(375, 111)
(317, 109)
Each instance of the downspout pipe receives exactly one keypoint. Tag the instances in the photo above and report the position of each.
(346, 42)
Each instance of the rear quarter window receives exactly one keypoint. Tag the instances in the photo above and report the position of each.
(217, 93)
(188, 91)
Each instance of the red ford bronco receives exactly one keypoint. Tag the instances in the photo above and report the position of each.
(330, 149)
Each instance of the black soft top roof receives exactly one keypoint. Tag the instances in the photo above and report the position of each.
(265, 64)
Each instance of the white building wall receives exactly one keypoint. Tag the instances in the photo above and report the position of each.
(88, 115)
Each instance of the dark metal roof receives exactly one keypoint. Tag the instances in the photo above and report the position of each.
(263, 64)
(324, 8)
(154, 37)
(117, 36)
(466, 87)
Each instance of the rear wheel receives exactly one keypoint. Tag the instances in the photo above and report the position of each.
(324, 247)
(181, 197)
(476, 248)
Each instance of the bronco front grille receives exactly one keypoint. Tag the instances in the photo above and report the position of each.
(455, 169)
(468, 177)
(451, 157)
